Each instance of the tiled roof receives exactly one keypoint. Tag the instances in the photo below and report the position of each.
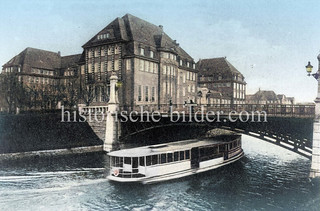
(37, 58)
(32, 57)
(70, 61)
(265, 95)
(131, 28)
(215, 65)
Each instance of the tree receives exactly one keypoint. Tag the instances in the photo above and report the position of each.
(87, 93)
(11, 90)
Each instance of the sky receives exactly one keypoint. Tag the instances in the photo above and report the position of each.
(270, 42)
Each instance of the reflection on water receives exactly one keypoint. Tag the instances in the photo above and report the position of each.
(268, 178)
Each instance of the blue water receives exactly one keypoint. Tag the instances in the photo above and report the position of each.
(267, 178)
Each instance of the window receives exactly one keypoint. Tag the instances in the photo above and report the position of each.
(151, 54)
(146, 93)
(127, 160)
(142, 51)
(139, 93)
(116, 64)
(182, 155)
(176, 156)
(153, 94)
(151, 67)
(147, 66)
(148, 160)
(187, 154)
(135, 162)
(163, 158)
(154, 160)
(169, 156)
(128, 64)
(180, 63)
(155, 68)
(102, 67)
(164, 70)
(194, 66)
(141, 65)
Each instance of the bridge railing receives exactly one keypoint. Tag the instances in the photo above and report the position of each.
(271, 109)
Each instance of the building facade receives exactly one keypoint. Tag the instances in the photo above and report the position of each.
(39, 79)
(219, 75)
(152, 68)
(269, 97)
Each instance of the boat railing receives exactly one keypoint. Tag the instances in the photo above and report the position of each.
(210, 157)
(125, 173)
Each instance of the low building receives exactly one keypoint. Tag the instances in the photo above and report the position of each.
(219, 75)
(269, 97)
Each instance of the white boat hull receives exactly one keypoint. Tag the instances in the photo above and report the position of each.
(182, 170)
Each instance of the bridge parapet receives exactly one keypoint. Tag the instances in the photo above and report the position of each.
(273, 110)
(93, 109)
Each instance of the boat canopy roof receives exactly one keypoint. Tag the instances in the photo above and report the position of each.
(165, 148)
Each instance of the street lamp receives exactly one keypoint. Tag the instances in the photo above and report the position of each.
(315, 164)
(309, 70)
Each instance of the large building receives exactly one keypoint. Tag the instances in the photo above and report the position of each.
(44, 77)
(152, 68)
(219, 75)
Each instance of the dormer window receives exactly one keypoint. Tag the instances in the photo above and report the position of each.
(103, 36)
(188, 64)
(142, 51)
(180, 62)
(194, 66)
(151, 54)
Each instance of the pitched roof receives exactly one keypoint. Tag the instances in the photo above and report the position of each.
(70, 61)
(36, 58)
(265, 95)
(132, 28)
(216, 65)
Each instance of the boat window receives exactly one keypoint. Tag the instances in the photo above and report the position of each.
(182, 155)
(118, 162)
(113, 161)
(154, 159)
(141, 161)
(148, 160)
(135, 162)
(187, 154)
(215, 150)
(127, 160)
(222, 148)
(169, 157)
(163, 158)
(176, 156)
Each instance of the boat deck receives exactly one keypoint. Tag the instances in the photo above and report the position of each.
(166, 147)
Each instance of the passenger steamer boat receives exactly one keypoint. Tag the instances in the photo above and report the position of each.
(167, 161)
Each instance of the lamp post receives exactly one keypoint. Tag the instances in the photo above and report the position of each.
(315, 164)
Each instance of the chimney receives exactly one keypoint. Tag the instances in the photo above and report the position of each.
(59, 53)
(161, 27)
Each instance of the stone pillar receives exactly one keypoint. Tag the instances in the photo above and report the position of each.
(315, 165)
(112, 125)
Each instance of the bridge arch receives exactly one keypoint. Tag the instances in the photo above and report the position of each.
(297, 144)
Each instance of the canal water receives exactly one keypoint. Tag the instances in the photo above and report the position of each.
(267, 178)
